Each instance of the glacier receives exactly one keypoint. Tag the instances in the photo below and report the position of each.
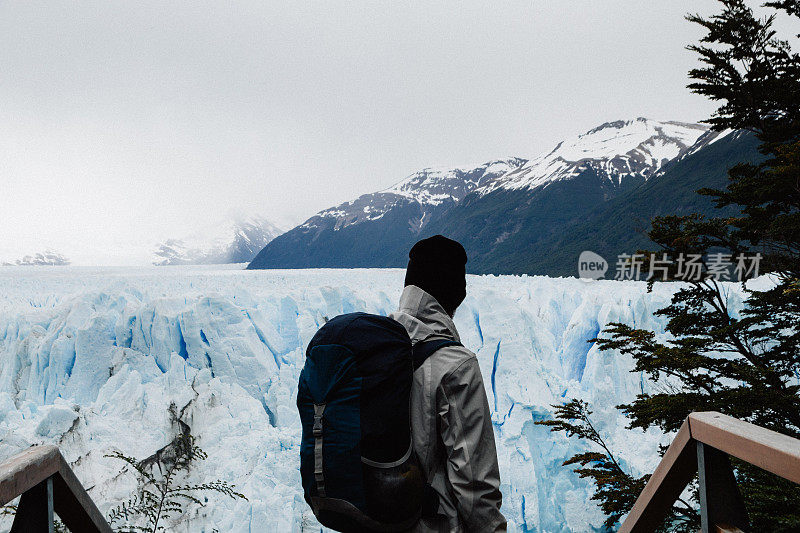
(97, 360)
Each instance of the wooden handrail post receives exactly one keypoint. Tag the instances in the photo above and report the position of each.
(709, 438)
(720, 500)
(35, 510)
(675, 470)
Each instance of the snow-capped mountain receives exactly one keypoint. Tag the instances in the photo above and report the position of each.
(46, 258)
(616, 150)
(512, 212)
(236, 240)
(430, 188)
(638, 147)
(709, 138)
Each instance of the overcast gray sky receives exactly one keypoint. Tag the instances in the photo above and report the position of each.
(125, 122)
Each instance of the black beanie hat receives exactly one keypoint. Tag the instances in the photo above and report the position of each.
(437, 265)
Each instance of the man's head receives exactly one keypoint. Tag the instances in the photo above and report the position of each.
(437, 265)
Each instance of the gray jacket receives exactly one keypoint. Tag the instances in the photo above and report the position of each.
(451, 424)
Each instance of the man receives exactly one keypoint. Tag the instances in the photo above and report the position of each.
(450, 420)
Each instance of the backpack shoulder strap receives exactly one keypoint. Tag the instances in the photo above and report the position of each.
(424, 349)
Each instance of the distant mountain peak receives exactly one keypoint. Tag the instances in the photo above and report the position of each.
(234, 240)
(617, 124)
(512, 214)
(429, 187)
(618, 149)
(622, 137)
(46, 258)
(433, 185)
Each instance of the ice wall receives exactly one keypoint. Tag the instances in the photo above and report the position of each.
(93, 360)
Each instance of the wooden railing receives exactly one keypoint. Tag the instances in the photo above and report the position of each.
(47, 485)
(702, 447)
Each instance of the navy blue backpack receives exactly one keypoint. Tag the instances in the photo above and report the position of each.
(358, 468)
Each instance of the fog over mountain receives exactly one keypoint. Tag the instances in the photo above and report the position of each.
(46, 258)
(127, 124)
(237, 240)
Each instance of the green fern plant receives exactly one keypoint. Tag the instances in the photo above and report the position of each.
(162, 493)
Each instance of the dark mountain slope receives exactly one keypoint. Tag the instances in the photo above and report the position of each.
(504, 229)
(548, 239)
(374, 230)
(620, 225)
(596, 192)
(382, 242)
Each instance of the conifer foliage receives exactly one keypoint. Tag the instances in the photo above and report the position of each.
(745, 364)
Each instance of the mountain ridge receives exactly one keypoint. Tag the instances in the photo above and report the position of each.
(504, 219)
(430, 187)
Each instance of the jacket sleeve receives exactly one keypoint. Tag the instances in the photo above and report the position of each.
(466, 430)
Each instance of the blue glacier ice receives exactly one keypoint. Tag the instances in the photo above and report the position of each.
(96, 360)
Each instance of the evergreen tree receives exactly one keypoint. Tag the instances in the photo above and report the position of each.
(745, 364)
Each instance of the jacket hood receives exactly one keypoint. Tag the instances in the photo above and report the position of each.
(424, 317)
